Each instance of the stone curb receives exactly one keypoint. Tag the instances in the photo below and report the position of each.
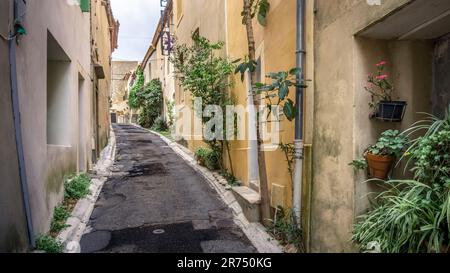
(255, 232)
(77, 222)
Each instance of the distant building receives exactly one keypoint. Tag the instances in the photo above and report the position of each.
(122, 72)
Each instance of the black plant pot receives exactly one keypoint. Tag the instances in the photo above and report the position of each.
(393, 111)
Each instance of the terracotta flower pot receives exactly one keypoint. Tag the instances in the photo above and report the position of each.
(379, 166)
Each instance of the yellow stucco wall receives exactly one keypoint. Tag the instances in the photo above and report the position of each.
(276, 46)
(221, 21)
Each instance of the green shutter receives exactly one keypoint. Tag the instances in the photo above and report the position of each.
(85, 5)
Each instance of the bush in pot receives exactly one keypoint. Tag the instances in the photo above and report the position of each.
(381, 156)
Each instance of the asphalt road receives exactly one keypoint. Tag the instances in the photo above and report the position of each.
(156, 203)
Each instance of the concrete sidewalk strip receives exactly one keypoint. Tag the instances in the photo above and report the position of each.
(70, 237)
(255, 232)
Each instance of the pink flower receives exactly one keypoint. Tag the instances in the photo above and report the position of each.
(382, 77)
(381, 63)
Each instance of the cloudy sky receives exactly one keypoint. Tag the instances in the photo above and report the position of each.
(138, 20)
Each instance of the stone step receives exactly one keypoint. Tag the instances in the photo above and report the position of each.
(250, 201)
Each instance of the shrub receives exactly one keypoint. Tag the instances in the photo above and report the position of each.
(150, 101)
(49, 244)
(134, 100)
(77, 187)
(208, 157)
(160, 125)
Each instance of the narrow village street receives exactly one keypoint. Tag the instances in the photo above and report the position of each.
(155, 202)
(225, 126)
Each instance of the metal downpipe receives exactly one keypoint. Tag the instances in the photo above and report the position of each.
(18, 129)
(299, 142)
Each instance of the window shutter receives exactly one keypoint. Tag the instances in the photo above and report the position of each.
(85, 5)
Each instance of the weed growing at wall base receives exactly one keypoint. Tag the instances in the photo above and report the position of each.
(49, 244)
(77, 187)
(60, 216)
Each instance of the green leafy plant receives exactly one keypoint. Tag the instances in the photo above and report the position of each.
(380, 86)
(208, 157)
(134, 100)
(170, 107)
(231, 179)
(149, 100)
(60, 216)
(391, 143)
(406, 218)
(159, 125)
(284, 228)
(259, 9)
(359, 164)
(49, 244)
(77, 187)
(247, 64)
(289, 153)
(278, 90)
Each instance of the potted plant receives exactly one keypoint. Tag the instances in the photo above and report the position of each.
(381, 89)
(381, 156)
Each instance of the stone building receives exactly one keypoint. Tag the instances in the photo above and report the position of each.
(121, 72)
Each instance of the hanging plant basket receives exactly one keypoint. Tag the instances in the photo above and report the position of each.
(392, 111)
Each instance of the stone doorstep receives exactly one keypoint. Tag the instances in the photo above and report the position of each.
(250, 201)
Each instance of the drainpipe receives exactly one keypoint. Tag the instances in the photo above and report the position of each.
(17, 125)
(252, 165)
(299, 142)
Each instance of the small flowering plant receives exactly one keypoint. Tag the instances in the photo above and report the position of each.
(380, 86)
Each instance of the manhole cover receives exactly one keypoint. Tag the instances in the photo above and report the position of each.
(158, 231)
